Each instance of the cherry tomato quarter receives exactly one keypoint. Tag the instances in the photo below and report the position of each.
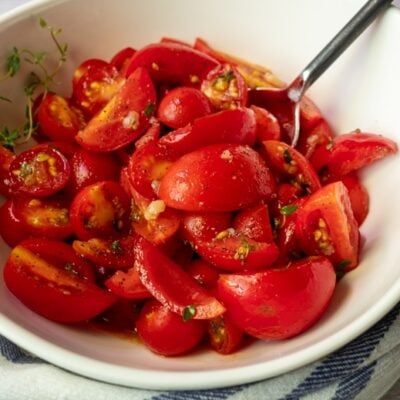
(279, 303)
(326, 226)
(124, 118)
(172, 286)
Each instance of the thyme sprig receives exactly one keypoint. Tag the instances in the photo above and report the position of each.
(38, 82)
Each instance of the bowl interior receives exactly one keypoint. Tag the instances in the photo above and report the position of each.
(359, 91)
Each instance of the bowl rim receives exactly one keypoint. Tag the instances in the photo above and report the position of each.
(171, 380)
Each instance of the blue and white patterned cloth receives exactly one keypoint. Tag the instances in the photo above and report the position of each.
(364, 369)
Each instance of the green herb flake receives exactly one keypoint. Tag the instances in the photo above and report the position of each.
(42, 22)
(149, 110)
(243, 250)
(189, 312)
(287, 157)
(8, 137)
(116, 247)
(13, 62)
(228, 76)
(289, 209)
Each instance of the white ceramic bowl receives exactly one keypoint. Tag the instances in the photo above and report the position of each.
(360, 91)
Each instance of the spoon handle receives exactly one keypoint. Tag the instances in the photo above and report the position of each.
(321, 62)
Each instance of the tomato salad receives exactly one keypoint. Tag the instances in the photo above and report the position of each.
(163, 197)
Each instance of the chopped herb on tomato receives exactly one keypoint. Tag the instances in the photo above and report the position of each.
(288, 209)
(189, 312)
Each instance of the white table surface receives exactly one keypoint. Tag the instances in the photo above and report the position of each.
(6, 5)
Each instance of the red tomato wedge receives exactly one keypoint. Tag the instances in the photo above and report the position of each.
(127, 284)
(116, 254)
(229, 126)
(124, 118)
(279, 303)
(50, 290)
(254, 222)
(172, 286)
(237, 252)
(288, 161)
(204, 226)
(326, 226)
(221, 177)
(268, 127)
(350, 152)
(172, 63)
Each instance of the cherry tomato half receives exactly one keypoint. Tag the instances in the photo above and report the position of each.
(221, 177)
(41, 275)
(40, 171)
(165, 332)
(279, 303)
(100, 210)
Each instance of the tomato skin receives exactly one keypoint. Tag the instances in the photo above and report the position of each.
(350, 152)
(50, 290)
(317, 137)
(124, 118)
(290, 162)
(276, 102)
(254, 223)
(268, 127)
(237, 253)
(203, 272)
(204, 226)
(44, 217)
(11, 227)
(172, 63)
(121, 59)
(181, 106)
(221, 177)
(359, 197)
(165, 332)
(114, 254)
(225, 88)
(6, 158)
(171, 285)
(224, 335)
(326, 226)
(39, 171)
(100, 210)
(127, 284)
(58, 120)
(279, 303)
(228, 126)
(88, 168)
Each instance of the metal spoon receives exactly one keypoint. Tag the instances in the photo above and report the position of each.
(316, 67)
